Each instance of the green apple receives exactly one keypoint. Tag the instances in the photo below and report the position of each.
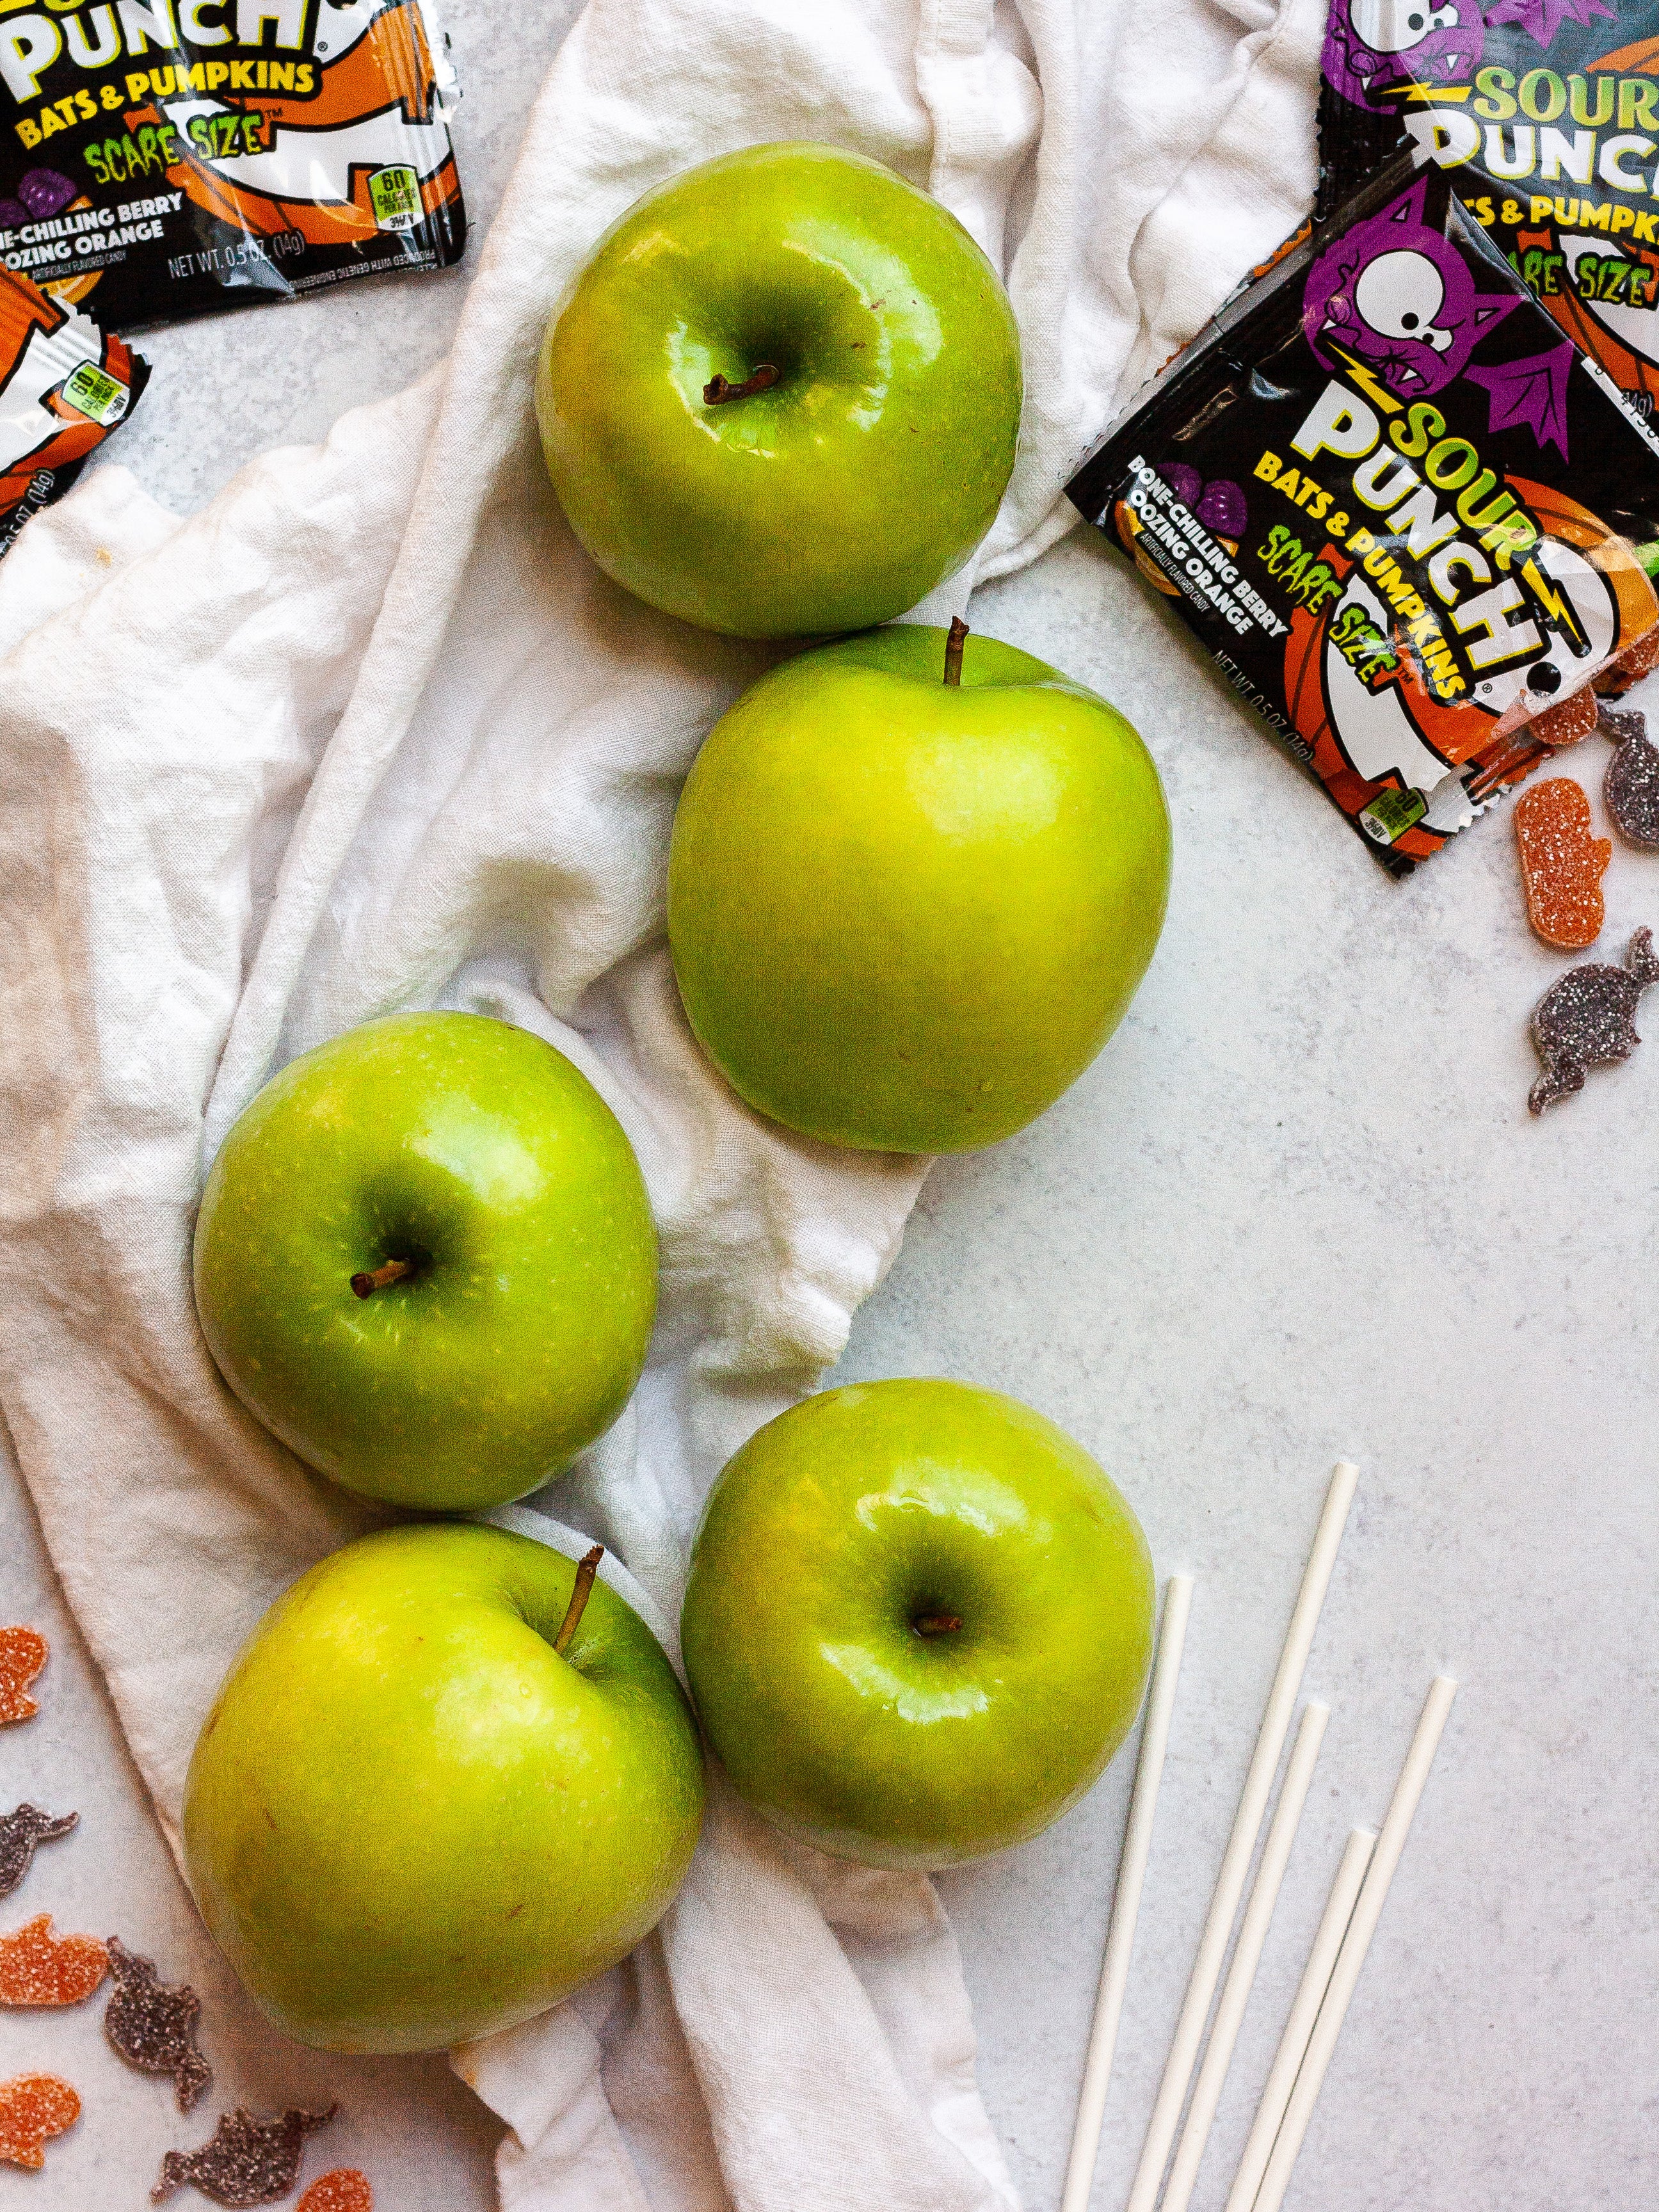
(425, 1259)
(918, 1622)
(905, 912)
(424, 1807)
(781, 396)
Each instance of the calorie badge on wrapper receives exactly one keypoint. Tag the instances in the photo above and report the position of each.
(168, 158)
(1410, 520)
(1547, 112)
(65, 385)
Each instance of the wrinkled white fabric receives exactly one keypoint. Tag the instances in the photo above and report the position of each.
(371, 732)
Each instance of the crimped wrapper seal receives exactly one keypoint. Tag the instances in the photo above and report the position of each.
(1409, 520)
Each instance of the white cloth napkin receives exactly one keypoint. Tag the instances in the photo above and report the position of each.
(371, 732)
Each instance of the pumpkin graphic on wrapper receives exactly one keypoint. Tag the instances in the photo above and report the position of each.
(1396, 737)
(369, 153)
(1624, 339)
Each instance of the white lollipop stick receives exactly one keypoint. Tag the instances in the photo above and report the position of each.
(1304, 2011)
(1402, 1807)
(1241, 1845)
(1125, 1898)
(1246, 1956)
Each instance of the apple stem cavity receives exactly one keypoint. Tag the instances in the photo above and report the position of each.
(953, 645)
(937, 1624)
(394, 1271)
(587, 1567)
(717, 391)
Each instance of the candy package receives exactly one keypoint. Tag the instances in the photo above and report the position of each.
(65, 385)
(1547, 112)
(169, 158)
(1410, 520)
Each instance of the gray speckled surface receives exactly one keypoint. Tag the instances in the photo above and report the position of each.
(1296, 1210)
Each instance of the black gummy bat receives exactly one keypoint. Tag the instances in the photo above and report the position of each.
(247, 2161)
(19, 1832)
(152, 2027)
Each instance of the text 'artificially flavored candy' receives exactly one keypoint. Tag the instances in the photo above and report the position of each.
(1430, 519)
(165, 158)
(1545, 112)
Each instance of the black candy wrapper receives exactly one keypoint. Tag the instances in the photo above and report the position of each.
(1545, 112)
(166, 158)
(1409, 520)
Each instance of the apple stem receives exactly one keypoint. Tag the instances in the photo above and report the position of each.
(717, 391)
(587, 1567)
(937, 1624)
(394, 1271)
(953, 645)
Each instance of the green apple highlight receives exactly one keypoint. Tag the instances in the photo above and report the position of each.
(918, 1624)
(782, 395)
(907, 912)
(425, 1259)
(410, 1820)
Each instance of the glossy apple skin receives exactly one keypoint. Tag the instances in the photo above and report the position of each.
(408, 1821)
(905, 915)
(870, 471)
(833, 1530)
(516, 1344)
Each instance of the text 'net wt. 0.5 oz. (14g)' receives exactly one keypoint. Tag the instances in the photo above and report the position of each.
(1412, 523)
(166, 158)
(1546, 114)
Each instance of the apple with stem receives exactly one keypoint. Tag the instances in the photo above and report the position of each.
(425, 1259)
(914, 883)
(449, 1778)
(781, 397)
(917, 1622)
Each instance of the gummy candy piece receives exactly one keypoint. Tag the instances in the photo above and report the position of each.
(44, 192)
(40, 1968)
(32, 2108)
(1223, 509)
(13, 214)
(1570, 722)
(1631, 788)
(1587, 1018)
(1635, 662)
(247, 2162)
(19, 1832)
(153, 2028)
(346, 2190)
(1561, 864)
(23, 1653)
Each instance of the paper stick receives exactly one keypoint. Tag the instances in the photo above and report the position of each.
(1246, 1956)
(1390, 1842)
(1304, 2010)
(1126, 1897)
(1241, 1845)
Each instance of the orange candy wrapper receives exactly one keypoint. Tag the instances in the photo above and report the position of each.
(1562, 864)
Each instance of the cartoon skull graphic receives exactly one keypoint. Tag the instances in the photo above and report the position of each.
(1372, 43)
(1398, 295)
